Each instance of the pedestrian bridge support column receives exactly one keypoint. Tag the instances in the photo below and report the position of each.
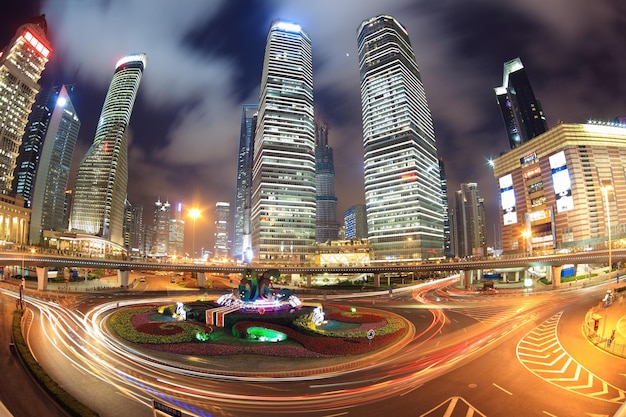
(466, 279)
(201, 278)
(42, 278)
(309, 280)
(377, 280)
(122, 277)
(555, 276)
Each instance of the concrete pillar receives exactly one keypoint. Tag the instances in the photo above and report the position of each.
(309, 279)
(122, 277)
(516, 276)
(377, 280)
(555, 276)
(479, 274)
(201, 278)
(42, 278)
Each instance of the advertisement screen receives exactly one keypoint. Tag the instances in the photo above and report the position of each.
(562, 182)
(507, 198)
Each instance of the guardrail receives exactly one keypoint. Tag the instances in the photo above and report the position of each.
(606, 343)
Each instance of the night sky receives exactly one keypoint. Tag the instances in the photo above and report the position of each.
(205, 60)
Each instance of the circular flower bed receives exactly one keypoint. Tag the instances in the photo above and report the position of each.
(145, 326)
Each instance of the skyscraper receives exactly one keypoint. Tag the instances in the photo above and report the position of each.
(102, 175)
(242, 240)
(355, 222)
(521, 111)
(283, 178)
(402, 180)
(32, 143)
(447, 235)
(327, 227)
(53, 170)
(21, 65)
(471, 230)
(176, 232)
(161, 224)
(222, 225)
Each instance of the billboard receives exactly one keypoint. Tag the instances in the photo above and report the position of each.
(562, 182)
(507, 199)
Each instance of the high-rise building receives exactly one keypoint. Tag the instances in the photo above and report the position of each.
(327, 227)
(102, 176)
(447, 235)
(471, 230)
(355, 222)
(242, 239)
(221, 248)
(32, 143)
(402, 179)
(53, 170)
(283, 178)
(161, 225)
(176, 232)
(552, 189)
(21, 65)
(521, 111)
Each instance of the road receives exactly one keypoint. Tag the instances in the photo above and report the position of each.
(471, 355)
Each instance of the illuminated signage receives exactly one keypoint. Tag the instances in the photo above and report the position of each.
(507, 199)
(528, 158)
(288, 27)
(34, 42)
(562, 182)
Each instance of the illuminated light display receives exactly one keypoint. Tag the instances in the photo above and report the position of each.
(288, 27)
(35, 43)
(562, 182)
(507, 198)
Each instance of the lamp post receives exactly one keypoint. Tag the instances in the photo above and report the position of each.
(605, 192)
(194, 213)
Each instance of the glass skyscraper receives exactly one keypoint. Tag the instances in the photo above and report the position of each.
(242, 240)
(221, 247)
(161, 224)
(283, 178)
(327, 227)
(21, 65)
(521, 111)
(402, 179)
(53, 171)
(102, 176)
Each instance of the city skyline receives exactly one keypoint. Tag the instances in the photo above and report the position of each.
(184, 139)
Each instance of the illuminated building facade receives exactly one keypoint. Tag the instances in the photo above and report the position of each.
(102, 176)
(327, 227)
(176, 232)
(550, 189)
(21, 64)
(402, 178)
(161, 225)
(521, 111)
(242, 239)
(221, 248)
(355, 222)
(53, 169)
(471, 229)
(283, 178)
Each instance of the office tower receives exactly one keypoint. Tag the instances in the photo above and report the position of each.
(242, 240)
(471, 231)
(355, 222)
(327, 227)
(402, 180)
(221, 249)
(447, 237)
(161, 225)
(521, 111)
(21, 65)
(102, 175)
(53, 170)
(176, 232)
(128, 227)
(283, 178)
(32, 143)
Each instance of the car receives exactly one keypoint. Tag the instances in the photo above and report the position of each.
(173, 280)
(142, 279)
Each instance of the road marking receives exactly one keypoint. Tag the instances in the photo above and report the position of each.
(500, 388)
(549, 361)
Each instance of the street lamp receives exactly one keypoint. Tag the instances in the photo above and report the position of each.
(605, 192)
(194, 213)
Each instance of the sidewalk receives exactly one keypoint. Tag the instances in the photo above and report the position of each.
(605, 324)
